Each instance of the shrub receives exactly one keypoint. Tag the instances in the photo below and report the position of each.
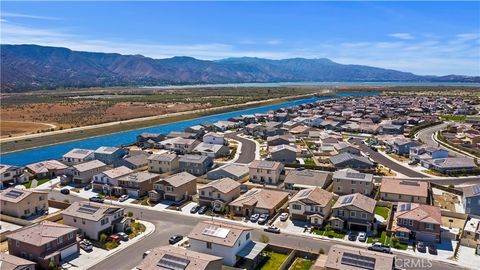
(103, 238)
(130, 214)
(264, 239)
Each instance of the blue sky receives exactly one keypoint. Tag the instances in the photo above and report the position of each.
(422, 37)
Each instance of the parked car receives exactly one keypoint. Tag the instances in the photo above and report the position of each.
(380, 248)
(352, 236)
(432, 249)
(123, 198)
(421, 247)
(145, 254)
(96, 199)
(272, 229)
(195, 209)
(65, 191)
(86, 245)
(362, 236)
(88, 186)
(284, 217)
(263, 219)
(254, 217)
(123, 236)
(175, 239)
(203, 210)
(413, 162)
(114, 237)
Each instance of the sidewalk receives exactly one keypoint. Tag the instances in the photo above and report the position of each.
(416, 168)
(89, 259)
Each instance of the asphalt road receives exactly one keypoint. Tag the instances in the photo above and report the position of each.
(426, 137)
(247, 154)
(381, 159)
(167, 224)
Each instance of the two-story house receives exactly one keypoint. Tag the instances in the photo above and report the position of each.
(258, 201)
(313, 205)
(264, 171)
(214, 138)
(44, 243)
(136, 184)
(234, 171)
(195, 164)
(104, 181)
(211, 150)
(77, 156)
(416, 221)
(83, 173)
(219, 193)
(172, 257)
(177, 187)
(23, 203)
(349, 181)
(395, 190)
(347, 160)
(283, 153)
(471, 199)
(353, 212)
(162, 163)
(402, 146)
(46, 169)
(109, 155)
(10, 262)
(224, 240)
(93, 219)
(179, 145)
(10, 175)
(302, 178)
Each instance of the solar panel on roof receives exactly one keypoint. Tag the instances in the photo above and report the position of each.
(173, 262)
(305, 193)
(347, 199)
(358, 261)
(355, 175)
(81, 151)
(88, 209)
(216, 231)
(14, 194)
(476, 189)
(405, 207)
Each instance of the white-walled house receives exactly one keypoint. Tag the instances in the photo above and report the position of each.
(214, 138)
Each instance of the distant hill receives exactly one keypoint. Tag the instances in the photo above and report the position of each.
(30, 67)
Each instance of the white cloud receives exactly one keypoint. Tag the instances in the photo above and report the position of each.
(27, 16)
(404, 36)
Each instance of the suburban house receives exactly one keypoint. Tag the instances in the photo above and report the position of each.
(214, 138)
(136, 161)
(219, 193)
(349, 181)
(46, 169)
(258, 201)
(263, 171)
(11, 175)
(342, 257)
(343, 147)
(179, 145)
(23, 203)
(420, 222)
(220, 239)
(313, 205)
(471, 199)
(10, 262)
(197, 129)
(280, 139)
(300, 179)
(83, 173)
(93, 219)
(149, 140)
(109, 155)
(347, 160)
(449, 164)
(471, 234)
(76, 156)
(172, 257)
(233, 171)
(353, 212)
(211, 150)
(395, 190)
(195, 164)
(283, 153)
(423, 152)
(402, 146)
(44, 243)
(162, 163)
(136, 185)
(177, 187)
(105, 180)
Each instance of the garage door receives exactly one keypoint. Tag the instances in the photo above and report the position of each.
(169, 198)
(260, 211)
(426, 237)
(68, 251)
(358, 227)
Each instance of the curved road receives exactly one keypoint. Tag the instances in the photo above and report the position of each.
(247, 153)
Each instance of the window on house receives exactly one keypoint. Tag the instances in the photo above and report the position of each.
(169, 189)
(209, 245)
(49, 246)
(296, 206)
(60, 240)
(70, 236)
(247, 236)
(352, 213)
(364, 216)
(203, 193)
(429, 226)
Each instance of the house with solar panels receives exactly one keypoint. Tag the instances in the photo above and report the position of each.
(313, 205)
(353, 212)
(471, 199)
(172, 257)
(23, 203)
(94, 219)
(264, 171)
(77, 156)
(349, 181)
(416, 221)
(347, 258)
(231, 242)
(109, 155)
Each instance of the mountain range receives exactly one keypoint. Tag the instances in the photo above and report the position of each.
(33, 67)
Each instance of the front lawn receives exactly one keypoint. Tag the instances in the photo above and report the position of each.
(329, 233)
(382, 211)
(398, 157)
(274, 261)
(39, 182)
(136, 229)
(301, 264)
(309, 161)
(387, 240)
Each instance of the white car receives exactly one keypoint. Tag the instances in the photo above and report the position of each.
(362, 236)
(123, 198)
(284, 217)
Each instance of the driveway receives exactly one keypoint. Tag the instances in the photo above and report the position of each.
(381, 159)
(247, 153)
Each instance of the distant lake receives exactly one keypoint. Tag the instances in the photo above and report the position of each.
(315, 84)
(55, 151)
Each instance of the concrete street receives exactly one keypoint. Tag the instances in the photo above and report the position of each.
(247, 154)
(170, 223)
